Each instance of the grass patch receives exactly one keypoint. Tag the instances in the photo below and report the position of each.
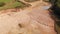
(12, 4)
(31, 0)
(46, 0)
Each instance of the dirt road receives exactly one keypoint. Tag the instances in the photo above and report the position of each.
(32, 20)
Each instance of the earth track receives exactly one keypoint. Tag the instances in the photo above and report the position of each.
(32, 20)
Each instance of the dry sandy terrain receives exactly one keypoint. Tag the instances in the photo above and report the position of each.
(31, 20)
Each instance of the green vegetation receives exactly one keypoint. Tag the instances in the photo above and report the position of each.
(55, 2)
(46, 0)
(30, 0)
(2, 4)
(56, 11)
(6, 4)
(58, 27)
(58, 3)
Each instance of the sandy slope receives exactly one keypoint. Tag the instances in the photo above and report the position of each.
(32, 20)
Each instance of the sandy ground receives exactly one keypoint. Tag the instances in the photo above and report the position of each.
(31, 20)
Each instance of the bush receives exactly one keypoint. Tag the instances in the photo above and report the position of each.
(2, 4)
